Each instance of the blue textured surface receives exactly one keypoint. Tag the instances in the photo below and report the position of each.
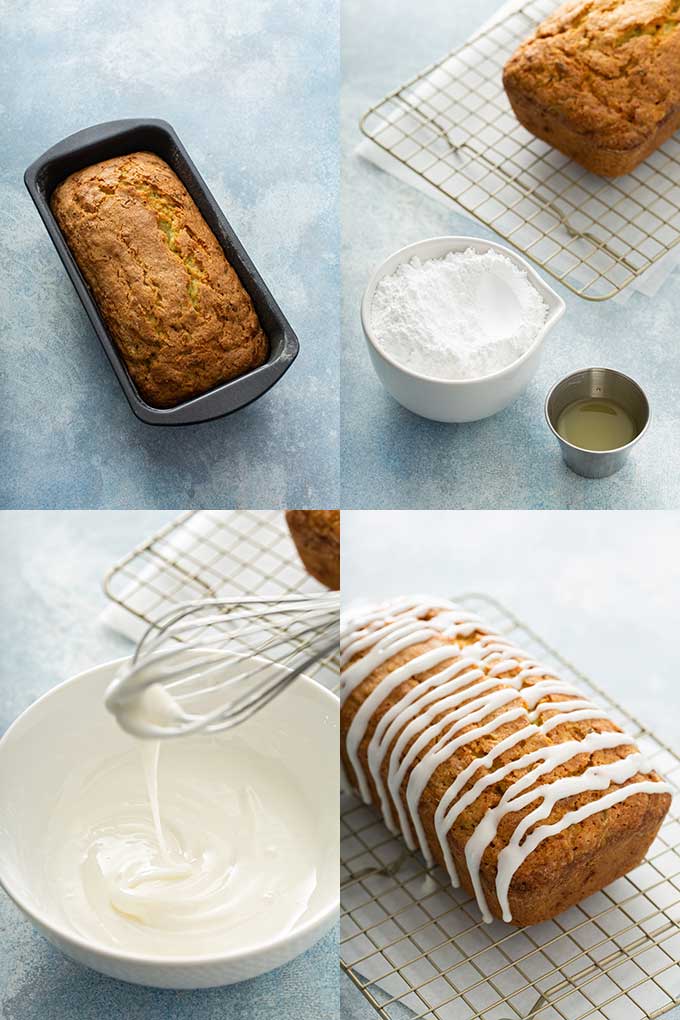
(251, 88)
(50, 632)
(392, 458)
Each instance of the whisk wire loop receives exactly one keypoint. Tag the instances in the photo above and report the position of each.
(218, 661)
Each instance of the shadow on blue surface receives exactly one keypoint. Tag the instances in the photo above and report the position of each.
(47, 986)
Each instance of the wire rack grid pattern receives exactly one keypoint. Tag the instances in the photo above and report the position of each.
(211, 553)
(453, 125)
(417, 948)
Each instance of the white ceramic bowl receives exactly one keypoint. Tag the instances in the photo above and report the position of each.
(456, 400)
(50, 739)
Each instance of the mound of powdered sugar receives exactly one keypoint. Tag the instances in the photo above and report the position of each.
(463, 316)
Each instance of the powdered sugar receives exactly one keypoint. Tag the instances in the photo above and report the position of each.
(463, 316)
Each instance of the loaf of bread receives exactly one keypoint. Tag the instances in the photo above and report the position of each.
(174, 306)
(316, 534)
(600, 80)
(496, 769)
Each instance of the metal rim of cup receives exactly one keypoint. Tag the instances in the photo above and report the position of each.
(583, 449)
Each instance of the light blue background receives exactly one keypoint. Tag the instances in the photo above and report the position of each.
(392, 458)
(251, 86)
(601, 588)
(53, 565)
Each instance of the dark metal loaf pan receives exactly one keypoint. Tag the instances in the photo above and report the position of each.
(118, 138)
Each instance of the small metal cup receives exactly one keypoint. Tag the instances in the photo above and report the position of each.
(597, 382)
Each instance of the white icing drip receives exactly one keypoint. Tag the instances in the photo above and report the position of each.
(567, 705)
(537, 692)
(403, 637)
(468, 691)
(356, 627)
(508, 664)
(406, 709)
(595, 777)
(516, 798)
(458, 718)
(544, 760)
(356, 620)
(446, 747)
(360, 617)
(357, 730)
(572, 716)
(379, 629)
(512, 863)
(442, 821)
(400, 715)
(377, 635)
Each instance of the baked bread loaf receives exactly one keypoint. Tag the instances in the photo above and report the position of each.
(316, 534)
(175, 308)
(525, 791)
(600, 80)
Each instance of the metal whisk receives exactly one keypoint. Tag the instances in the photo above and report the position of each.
(209, 665)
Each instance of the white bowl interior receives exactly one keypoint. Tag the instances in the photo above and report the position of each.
(50, 741)
(437, 248)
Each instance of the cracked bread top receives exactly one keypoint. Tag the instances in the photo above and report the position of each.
(609, 69)
(173, 304)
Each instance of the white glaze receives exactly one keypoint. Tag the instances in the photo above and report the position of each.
(596, 777)
(516, 797)
(389, 628)
(444, 819)
(150, 752)
(151, 706)
(357, 730)
(447, 745)
(433, 719)
(229, 860)
(571, 818)
(407, 708)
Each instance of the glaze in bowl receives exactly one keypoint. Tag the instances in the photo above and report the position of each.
(69, 724)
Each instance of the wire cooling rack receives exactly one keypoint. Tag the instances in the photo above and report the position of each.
(417, 948)
(453, 126)
(207, 553)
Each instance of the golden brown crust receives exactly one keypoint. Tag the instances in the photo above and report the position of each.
(600, 81)
(564, 868)
(174, 306)
(316, 534)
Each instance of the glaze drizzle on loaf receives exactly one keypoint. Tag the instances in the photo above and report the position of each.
(438, 707)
